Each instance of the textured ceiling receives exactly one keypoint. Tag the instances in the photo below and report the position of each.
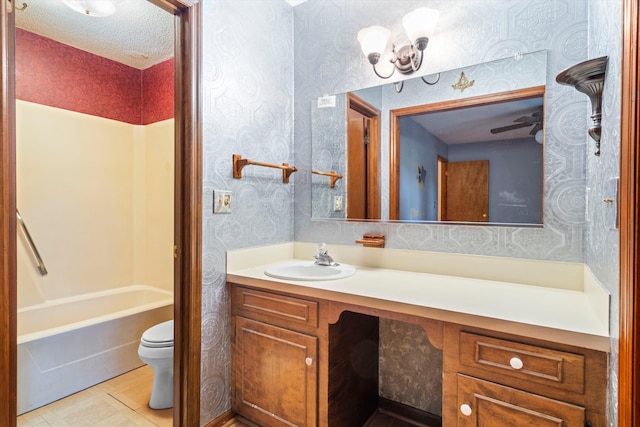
(139, 34)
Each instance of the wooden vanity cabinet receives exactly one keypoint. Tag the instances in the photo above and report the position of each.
(274, 358)
(494, 379)
(297, 361)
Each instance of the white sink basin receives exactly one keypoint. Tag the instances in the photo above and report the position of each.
(307, 270)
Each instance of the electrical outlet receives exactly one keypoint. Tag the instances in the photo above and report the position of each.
(221, 201)
(337, 203)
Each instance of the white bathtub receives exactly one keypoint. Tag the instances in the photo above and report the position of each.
(67, 345)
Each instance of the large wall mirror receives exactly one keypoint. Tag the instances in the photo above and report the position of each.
(468, 148)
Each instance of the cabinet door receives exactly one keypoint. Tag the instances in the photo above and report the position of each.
(485, 404)
(275, 375)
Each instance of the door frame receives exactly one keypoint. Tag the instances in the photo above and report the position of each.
(361, 106)
(394, 130)
(629, 204)
(442, 188)
(188, 213)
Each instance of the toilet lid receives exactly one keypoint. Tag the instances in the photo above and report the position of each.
(160, 335)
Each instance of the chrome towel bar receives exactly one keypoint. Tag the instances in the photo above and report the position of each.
(41, 268)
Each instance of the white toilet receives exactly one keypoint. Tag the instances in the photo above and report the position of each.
(156, 350)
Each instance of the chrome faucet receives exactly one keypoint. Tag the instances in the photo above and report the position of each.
(323, 257)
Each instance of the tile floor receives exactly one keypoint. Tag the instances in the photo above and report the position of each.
(119, 402)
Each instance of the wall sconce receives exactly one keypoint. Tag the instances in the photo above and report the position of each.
(418, 24)
(95, 8)
(422, 174)
(588, 77)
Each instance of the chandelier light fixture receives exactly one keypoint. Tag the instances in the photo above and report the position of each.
(418, 25)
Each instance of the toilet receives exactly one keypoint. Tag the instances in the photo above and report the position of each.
(156, 350)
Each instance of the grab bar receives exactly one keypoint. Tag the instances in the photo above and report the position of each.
(32, 245)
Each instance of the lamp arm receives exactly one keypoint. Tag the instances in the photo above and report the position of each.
(417, 58)
(381, 76)
(430, 83)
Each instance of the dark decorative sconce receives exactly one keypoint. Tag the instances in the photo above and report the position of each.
(422, 174)
(588, 77)
(418, 24)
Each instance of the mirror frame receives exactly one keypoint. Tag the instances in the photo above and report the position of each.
(394, 131)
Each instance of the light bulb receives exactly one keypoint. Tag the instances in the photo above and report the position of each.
(373, 40)
(420, 24)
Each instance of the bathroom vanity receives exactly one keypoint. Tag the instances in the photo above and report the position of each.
(305, 353)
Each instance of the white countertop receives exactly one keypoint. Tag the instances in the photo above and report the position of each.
(558, 314)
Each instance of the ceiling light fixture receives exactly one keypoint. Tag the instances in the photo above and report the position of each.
(538, 136)
(418, 25)
(95, 8)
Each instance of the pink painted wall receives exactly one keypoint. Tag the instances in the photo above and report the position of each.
(57, 75)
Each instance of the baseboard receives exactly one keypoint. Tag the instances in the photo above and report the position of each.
(408, 413)
(222, 420)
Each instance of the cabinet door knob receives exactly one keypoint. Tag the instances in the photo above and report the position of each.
(516, 363)
(465, 409)
(308, 361)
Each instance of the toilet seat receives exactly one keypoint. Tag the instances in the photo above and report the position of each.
(158, 336)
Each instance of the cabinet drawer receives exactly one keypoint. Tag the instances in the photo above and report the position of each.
(482, 403)
(274, 308)
(531, 363)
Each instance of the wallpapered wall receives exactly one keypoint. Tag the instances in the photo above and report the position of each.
(58, 75)
(247, 75)
(602, 252)
(248, 110)
(328, 59)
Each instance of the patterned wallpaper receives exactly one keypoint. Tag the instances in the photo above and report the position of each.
(329, 131)
(248, 110)
(328, 59)
(57, 75)
(602, 252)
(414, 374)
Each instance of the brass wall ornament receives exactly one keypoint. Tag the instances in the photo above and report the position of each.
(588, 77)
(463, 83)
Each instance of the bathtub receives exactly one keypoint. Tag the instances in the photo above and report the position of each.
(69, 344)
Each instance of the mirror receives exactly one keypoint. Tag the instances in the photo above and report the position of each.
(394, 150)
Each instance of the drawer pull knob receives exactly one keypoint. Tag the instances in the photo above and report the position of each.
(465, 409)
(516, 363)
(308, 361)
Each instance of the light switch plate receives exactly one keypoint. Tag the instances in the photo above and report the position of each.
(221, 201)
(337, 204)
